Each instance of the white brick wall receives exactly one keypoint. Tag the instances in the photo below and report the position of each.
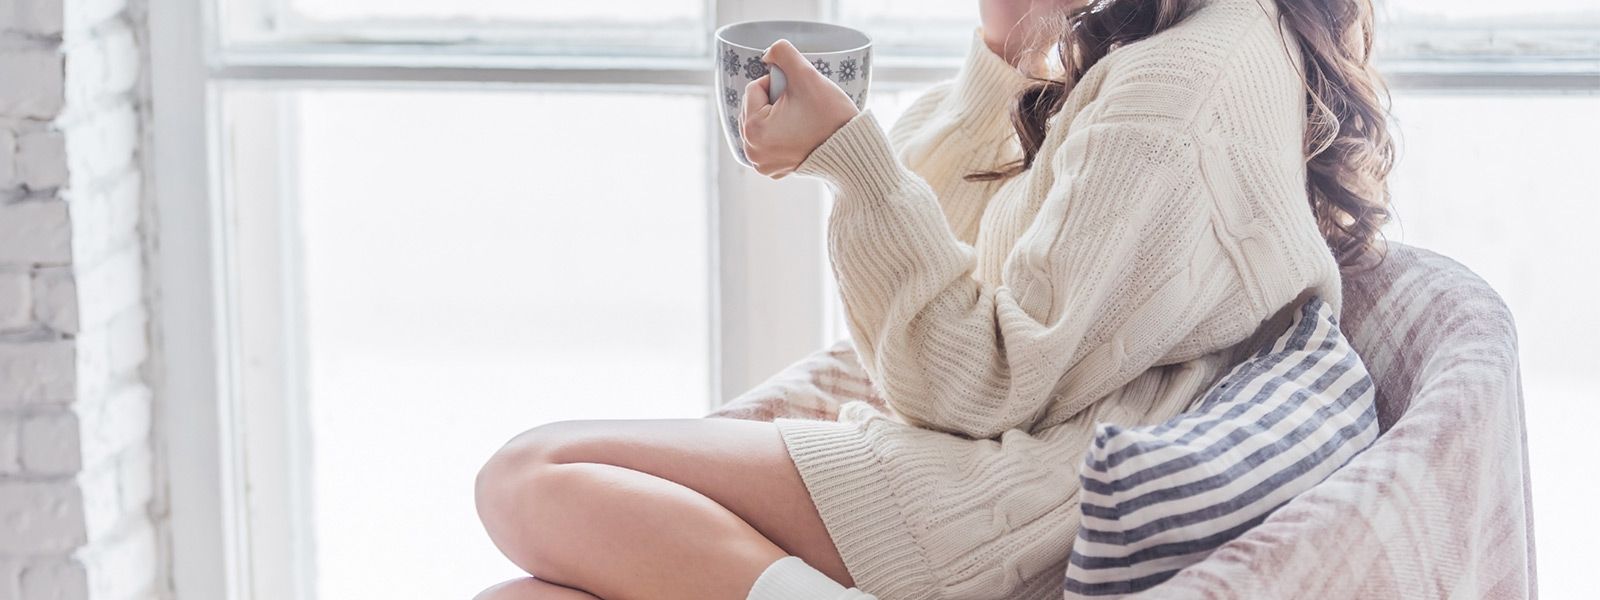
(76, 468)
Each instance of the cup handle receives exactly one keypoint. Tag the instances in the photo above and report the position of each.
(776, 85)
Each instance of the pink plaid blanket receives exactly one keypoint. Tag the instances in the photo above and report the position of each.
(1439, 507)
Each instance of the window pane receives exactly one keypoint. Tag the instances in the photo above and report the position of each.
(1488, 29)
(888, 101)
(934, 27)
(491, 12)
(1507, 185)
(1482, 9)
(942, 27)
(947, 10)
(563, 28)
(476, 263)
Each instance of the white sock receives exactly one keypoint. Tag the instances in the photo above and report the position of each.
(790, 578)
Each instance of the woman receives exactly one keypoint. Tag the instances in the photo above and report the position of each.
(1021, 258)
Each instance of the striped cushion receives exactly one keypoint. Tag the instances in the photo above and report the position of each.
(1159, 498)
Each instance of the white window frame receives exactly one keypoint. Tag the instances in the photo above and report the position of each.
(232, 502)
(233, 521)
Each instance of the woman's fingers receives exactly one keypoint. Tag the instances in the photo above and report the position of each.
(755, 94)
(755, 106)
(776, 139)
(788, 58)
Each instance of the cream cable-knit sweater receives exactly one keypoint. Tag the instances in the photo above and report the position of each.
(1163, 221)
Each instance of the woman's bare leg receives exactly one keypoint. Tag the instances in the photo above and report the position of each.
(680, 508)
(528, 588)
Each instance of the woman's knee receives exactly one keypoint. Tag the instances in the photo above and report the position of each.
(551, 443)
(507, 469)
(517, 491)
(528, 512)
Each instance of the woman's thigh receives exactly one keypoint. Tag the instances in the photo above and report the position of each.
(742, 465)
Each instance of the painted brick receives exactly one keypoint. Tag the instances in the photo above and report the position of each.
(40, 517)
(10, 446)
(8, 158)
(112, 286)
(136, 478)
(114, 426)
(16, 299)
(33, 83)
(35, 232)
(105, 218)
(102, 66)
(102, 145)
(124, 568)
(10, 578)
(127, 343)
(110, 354)
(102, 508)
(50, 443)
(55, 299)
(83, 15)
(40, 372)
(32, 17)
(42, 160)
(75, 418)
(61, 580)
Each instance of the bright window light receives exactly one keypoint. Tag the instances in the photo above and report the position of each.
(478, 263)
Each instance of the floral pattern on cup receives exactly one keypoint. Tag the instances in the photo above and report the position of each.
(823, 67)
(847, 70)
(736, 66)
(754, 68)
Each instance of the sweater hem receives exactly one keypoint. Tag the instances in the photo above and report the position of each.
(867, 524)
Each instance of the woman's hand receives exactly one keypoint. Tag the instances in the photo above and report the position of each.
(1021, 30)
(778, 136)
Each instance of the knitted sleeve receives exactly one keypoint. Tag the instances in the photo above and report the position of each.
(959, 127)
(1120, 264)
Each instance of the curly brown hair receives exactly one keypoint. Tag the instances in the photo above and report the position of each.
(1348, 149)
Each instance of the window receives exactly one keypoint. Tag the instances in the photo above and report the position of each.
(452, 294)
(419, 227)
(423, 227)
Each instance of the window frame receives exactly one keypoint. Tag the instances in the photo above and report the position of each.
(771, 290)
(238, 525)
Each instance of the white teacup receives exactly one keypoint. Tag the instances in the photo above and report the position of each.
(841, 54)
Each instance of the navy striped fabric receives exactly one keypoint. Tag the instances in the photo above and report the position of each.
(1159, 498)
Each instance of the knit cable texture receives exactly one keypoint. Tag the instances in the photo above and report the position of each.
(1164, 220)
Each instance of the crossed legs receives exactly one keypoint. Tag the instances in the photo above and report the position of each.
(659, 509)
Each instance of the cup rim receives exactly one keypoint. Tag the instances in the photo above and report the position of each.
(718, 35)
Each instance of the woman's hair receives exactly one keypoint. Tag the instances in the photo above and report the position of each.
(1347, 145)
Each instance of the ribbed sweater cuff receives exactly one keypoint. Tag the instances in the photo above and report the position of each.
(987, 86)
(859, 160)
(847, 483)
